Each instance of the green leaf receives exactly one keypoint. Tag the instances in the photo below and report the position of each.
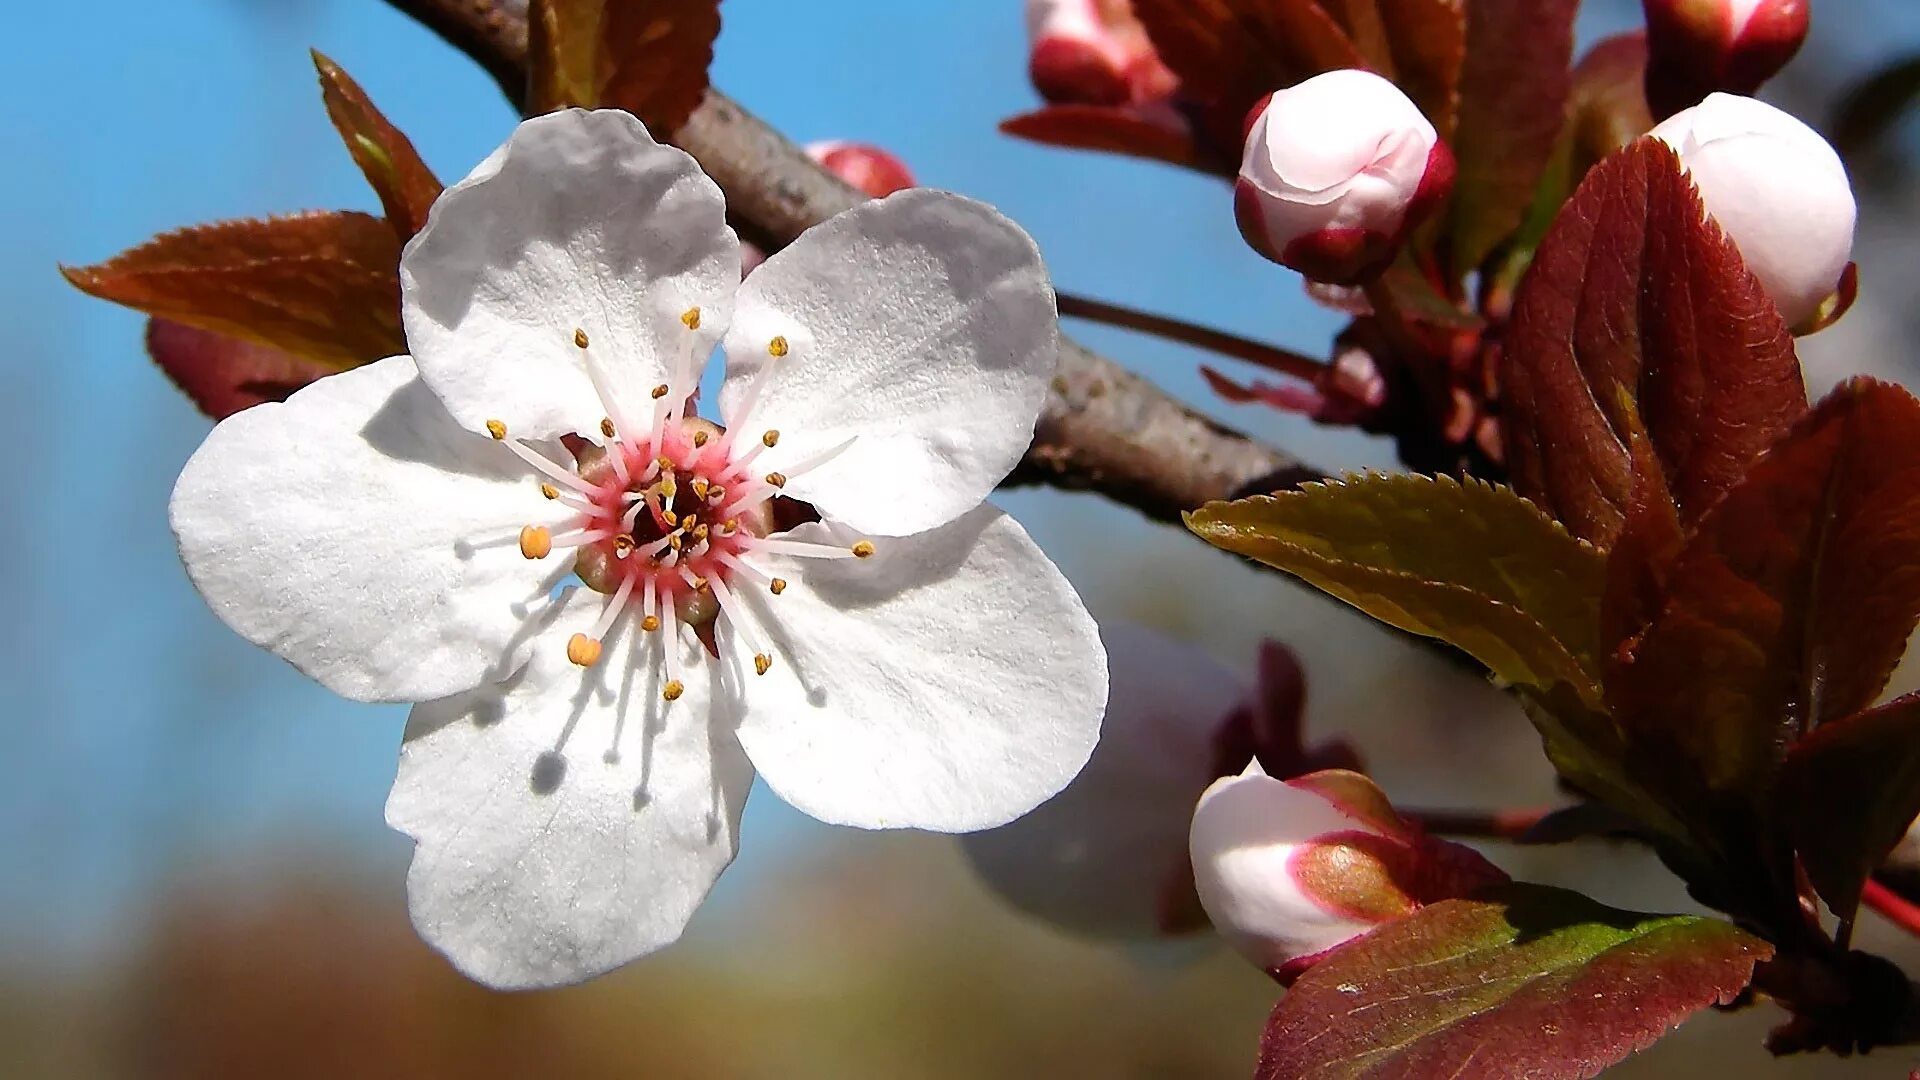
(1791, 601)
(1469, 563)
(1522, 982)
(322, 286)
(1635, 288)
(649, 58)
(1848, 793)
(407, 188)
(1514, 84)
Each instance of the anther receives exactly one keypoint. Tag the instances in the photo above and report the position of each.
(700, 533)
(583, 650)
(778, 585)
(716, 495)
(660, 391)
(778, 480)
(699, 583)
(761, 662)
(690, 521)
(650, 623)
(579, 338)
(622, 546)
(777, 347)
(606, 426)
(701, 487)
(770, 438)
(549, 491)
(497, 429)
(691, 317)
(699, 438)
(672, 519)
(863, 549)
(674, 541)
(673, 690)
(536, 542)
(665, 463)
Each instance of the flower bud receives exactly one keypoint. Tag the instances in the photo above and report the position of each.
(1701, 46)
(1093, 52)
(1337, 170)
(867, 167)
(1777, 189)
(1289, 870)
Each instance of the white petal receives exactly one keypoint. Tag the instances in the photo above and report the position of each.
(362, 535)
(1107, 855)
(581, 221)
(952, 681)
(922, 326)
(570, 820)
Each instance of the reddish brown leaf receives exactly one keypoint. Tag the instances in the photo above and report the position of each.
(1643, 555)
(1428, 40)
(1232, 52)
(1364, 25)
(224, 375)
(1792, 600)
(322, 286)
(649, 57)
(1522, 983)
(1514, 84)
(1634, 288)
(1849, 791)
(1114, 129)
(405, 185)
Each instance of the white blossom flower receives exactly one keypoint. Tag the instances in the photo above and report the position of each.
(810, 588)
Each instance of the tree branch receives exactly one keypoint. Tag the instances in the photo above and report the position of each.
(1102, 428)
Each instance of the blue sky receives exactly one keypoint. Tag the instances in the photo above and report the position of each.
(137, 734)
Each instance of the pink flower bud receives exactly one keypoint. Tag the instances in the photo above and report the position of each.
(867, 167)
(1337, 170)
(1289, 870)
(1093, 52)
(1777, 189)
(1700, 46)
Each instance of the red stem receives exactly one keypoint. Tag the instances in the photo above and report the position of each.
(1300, 367)
(1893, 907)
(1478, 824)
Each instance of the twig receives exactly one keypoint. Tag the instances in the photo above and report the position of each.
(1477, 824)
(1102, 429)
(1273, 358)
(1893, 907)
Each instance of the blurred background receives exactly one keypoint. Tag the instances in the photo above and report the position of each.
(195, 880)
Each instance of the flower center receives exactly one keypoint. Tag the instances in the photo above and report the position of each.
(670, 516)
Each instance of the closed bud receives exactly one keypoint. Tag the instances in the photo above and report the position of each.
(1337, 170)
(1777, 190)
(1698, 47)
(1290, 870)
(1093, 52)
(868, 168)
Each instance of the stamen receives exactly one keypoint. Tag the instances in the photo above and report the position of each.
(606, 426)
(616, 422)
(730, 609)
(775, 479)
(579, 338)
(540, 462)
(536, 542)
(801, 549)
(691, 317)
(737, 417)
(649, 599)
(863, 549)
(670, 647)
(778, 346)
(583, 650)
(777, 585)
(673, 690)
(700, 438)
(622, 547)
(613, 608)
(771, 438)
(807, 465)
(548, 491)
(661, 391)
(497, 429)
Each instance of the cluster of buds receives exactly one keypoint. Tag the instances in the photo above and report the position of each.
(1289, 870)
(1780, 192)
(1093, 52)
(1697, 47)
(1337, 171)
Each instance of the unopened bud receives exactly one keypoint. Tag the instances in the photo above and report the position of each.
(1289, 870)
(1093, 52)
(1778, 191)
(868, 168)
(1337, 170)
(1698, 47)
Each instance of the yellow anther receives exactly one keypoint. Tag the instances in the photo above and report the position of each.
(579, 338)
(699, 438)
(777, 347)
(497, 429)
(668, 489)
(701, 487)
(691, 317)
(536, 542)
(729, 526)
(700, 584)
(716, 495)
(650, 623)
(665, 463)
(660, 391)
(770, 438)
(761, 662)
(670, 518)
(700, 533)
(673, 690)
(622, 546)
(549, 491)
(583, 650)
(778, 585)
(778, 480)
(863, 549)
(606, 427)
(690, 521)
(674, 541)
